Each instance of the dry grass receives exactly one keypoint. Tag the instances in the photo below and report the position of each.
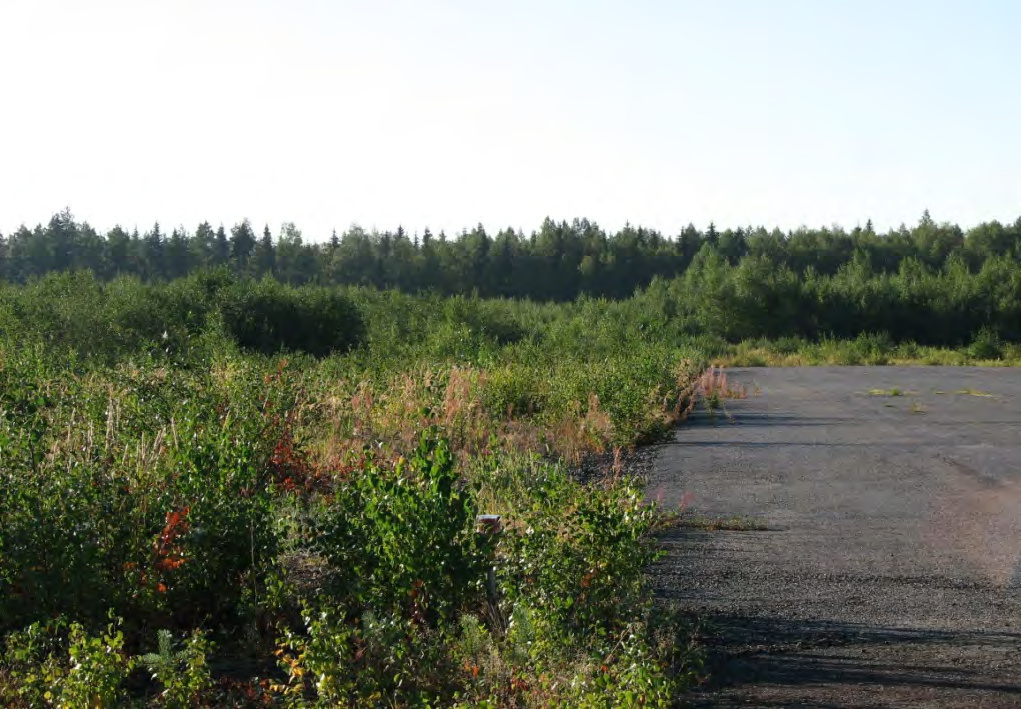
(734, 523)
(714, 383)
(891, 392)
(971, 392)
(391, 416)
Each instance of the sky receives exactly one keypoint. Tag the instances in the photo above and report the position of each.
(445, 114)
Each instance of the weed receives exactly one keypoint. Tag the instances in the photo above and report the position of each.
(734, 523)
(713, 388)
(891, 392)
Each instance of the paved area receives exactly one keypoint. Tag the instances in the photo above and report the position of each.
(889, 569)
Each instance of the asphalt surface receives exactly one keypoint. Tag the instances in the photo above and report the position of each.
(889, 570)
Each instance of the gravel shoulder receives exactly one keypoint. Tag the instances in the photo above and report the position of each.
(889, 570)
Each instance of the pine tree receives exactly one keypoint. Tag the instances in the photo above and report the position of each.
(221, 248)
(152, 254)
(265, 254)
(242, 244)
(178, 254)
(712, 237)
(118, 251)
(61, 233)
(203, 245)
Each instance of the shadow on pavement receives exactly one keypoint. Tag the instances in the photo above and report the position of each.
(772, 653)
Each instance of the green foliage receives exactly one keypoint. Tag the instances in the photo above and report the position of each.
(577, 573)
(98, 670)
(168, 512)
(987, 349)
(559, 261)
(368, 661)
(267, 317)
(101, 321)
(404, 539)
(155, 462)
(986, 345)
(183, 674)
(51, 667)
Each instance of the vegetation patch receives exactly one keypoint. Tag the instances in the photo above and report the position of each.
(890, 392)
(974, 392)
(735, 523)
(198, 512)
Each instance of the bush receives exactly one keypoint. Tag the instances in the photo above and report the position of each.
(403, 537)
(986, 345)
(581, 575)
(268, 317)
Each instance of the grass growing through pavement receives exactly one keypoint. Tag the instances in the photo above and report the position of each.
(969, 392)
(733, 523)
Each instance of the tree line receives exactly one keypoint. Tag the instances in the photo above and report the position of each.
(557, 262)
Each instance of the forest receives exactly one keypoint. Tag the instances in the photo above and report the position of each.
(559, 261)
(932, 284)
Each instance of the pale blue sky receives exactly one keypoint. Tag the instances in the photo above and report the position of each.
(445, 114)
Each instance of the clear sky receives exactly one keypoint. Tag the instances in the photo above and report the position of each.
(446, 114)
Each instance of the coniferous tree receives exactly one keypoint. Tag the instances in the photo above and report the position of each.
(221, 247)
(712, 237)
(153, 263)
(178, 254)
(265, 254)
(564, 259)
(203, 246)
(242, 245)
(119, 259)
(61, 234)
(295, 262)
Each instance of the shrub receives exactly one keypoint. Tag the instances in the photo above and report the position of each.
(580, 574)
(268, 317)
(51, 667)
(986, 345)
(403, 537)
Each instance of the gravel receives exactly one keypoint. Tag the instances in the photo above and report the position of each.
(889, 572)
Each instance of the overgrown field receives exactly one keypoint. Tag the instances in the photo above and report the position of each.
(240, 493)
(220, 493)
